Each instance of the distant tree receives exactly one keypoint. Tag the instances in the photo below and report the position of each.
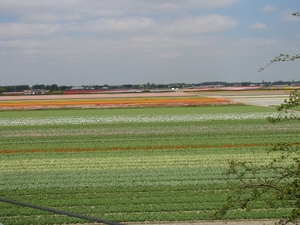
(15, 88)
(245, 84)
(53, 87)
(38, 86)
(277, 182)
(127, 86)
(153, 86)
(279, 82)
(63, 88)
(1, 89)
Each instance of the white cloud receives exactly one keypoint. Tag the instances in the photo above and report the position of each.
(201, 25)
(268, 8)
(110, 27)
(258, 26)
(120, 24)
(53, 11)
(258, 42)
(178, 5)
(46, 30)
(23, 30)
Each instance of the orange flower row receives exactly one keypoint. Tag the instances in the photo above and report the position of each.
(138, 148)
(115, 102)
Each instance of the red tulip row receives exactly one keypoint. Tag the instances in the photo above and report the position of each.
(131, 148)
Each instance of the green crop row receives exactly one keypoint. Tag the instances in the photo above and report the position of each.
(141, 141)
(99, 161)
(133, 111)
(134, 203)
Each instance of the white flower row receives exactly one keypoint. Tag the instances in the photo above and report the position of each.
(134, 119)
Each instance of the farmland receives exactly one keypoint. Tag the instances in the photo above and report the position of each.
(132, 164)
(108, 101)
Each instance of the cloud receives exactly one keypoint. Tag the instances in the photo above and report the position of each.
(53, 11)
(268, 8)
(23, 30)
(258, 43)
(104, 26)
(258, 26)
(178, 5)
(120, 25)
(110, 27)
(201, 25)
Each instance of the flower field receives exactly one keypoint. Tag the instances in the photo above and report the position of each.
(112, 102)
(131, 164)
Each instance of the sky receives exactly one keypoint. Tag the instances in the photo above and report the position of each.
(115, 42)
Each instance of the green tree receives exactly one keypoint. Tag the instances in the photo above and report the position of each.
(53, 87)
(38, 86)
(277, 182)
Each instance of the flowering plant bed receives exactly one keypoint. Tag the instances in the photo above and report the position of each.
(116, 102)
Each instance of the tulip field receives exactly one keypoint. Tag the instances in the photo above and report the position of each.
(111, 102)
(132, 164)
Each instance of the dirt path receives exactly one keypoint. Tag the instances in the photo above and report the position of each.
(254, 97)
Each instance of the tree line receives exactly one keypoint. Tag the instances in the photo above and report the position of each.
(55, 87)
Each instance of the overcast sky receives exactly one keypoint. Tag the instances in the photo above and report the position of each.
(86, 42)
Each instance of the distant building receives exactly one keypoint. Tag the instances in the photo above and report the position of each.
(77, 88)
(82, 88)
(35, 92)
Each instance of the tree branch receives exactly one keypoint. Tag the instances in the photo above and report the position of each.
(283, 57)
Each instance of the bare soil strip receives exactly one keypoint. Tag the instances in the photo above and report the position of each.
(268, 98)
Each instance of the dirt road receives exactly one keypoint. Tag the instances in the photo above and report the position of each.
(254, 97)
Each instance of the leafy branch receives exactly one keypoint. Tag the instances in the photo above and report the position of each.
(276, 183)
(283, 57)
(296, 14)
(291, 103)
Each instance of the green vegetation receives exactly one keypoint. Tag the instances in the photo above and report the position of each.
(133, 111)
(132, 165)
